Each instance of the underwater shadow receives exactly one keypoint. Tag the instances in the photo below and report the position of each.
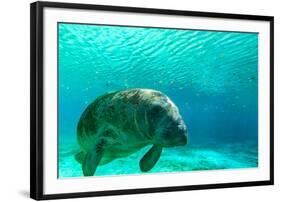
(24, 193)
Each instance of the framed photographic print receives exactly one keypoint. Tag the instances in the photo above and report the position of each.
(131, 100)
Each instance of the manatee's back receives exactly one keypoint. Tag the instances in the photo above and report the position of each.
(120, 109)
(88, 125)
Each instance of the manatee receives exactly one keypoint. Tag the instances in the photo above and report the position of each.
(117, 124)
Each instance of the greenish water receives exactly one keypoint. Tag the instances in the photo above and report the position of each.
(211, 76)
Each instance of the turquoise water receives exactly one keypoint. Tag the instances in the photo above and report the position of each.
(211, 76)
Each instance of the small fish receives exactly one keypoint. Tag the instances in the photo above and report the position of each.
(108, 83)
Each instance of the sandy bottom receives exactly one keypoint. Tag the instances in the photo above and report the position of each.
(199, 157)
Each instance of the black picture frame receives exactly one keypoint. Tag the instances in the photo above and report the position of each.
(36, 98)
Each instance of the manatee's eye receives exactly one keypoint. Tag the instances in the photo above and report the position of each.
(155, 111)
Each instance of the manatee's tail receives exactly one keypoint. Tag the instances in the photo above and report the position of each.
(79, 157)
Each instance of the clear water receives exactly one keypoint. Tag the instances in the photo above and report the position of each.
(211, 76)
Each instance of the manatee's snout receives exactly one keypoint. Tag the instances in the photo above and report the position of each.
(175, 134)
(181, 137)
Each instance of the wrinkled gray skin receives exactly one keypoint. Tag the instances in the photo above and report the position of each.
(118, 124)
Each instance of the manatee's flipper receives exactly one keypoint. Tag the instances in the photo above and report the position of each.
(150, 158)
(92, 159)
(79, 157)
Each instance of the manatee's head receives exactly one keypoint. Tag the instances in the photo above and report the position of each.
(169, 128)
